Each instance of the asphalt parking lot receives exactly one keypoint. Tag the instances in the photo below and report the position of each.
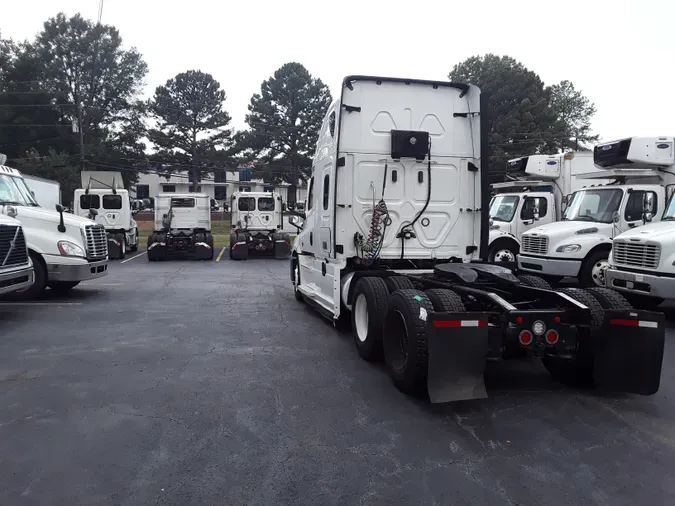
(207, 383)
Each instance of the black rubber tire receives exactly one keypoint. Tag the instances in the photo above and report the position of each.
(398, 283)
(233, 239)
(37, 289)
(62, 287)
(152, 238)
(609, 299)
(585, 273)
(578, 371)
(444, 300)
(405, 327)
(534, 281)
(376, 294)
(298, 296)
(208, 239)
(122, 239)
(511, 246)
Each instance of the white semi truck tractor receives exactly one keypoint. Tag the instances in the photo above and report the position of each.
(103, 199)
(578, 246)
(394, 243)
(65, 249)
(257, 223)
(535, 196)
(16, 269)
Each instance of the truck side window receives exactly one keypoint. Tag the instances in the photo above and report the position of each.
(310, 195)
(265, 204)
(331, 124)
(633, 210)
(326, 192)
(527, 212)
(89, 202)
(112, 202)
(246, 203)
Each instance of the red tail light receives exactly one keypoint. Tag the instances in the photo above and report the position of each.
(552, 337)
(525, 337)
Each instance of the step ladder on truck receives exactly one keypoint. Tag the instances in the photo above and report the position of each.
(393, 242)
(534, 196)
(641, 264)
(578, 246)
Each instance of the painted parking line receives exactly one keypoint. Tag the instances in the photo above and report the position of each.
(220, 255)
(130, 259)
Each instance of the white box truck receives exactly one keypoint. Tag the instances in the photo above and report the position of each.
(393, 243)
(47, 193)
(535, 196)
(579, 245)
(65, 249)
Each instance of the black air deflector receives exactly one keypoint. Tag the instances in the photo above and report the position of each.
(616, 153)
(409, 144)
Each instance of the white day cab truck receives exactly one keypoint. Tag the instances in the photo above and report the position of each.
(182, 227)
(257, 220)
(642, 260)
(65, 249)
(16, 269)
(103, 200)
(579, 245)
(393, 242)
(534, 197)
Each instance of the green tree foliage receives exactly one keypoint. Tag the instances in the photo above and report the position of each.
(574, 111)
(284, 120)
(191, 131)
(55, 166)
(521, 119)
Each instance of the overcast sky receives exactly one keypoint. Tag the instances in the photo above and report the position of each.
(620, 53)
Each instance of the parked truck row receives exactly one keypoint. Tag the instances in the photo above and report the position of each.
(396, 237)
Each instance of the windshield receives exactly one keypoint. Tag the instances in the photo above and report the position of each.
(503, 207)
(669, 213)
(593, 205)
(265, 204)
(13, 190)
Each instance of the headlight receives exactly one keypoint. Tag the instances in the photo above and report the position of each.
(568, 248)
(69, 249)
(591, 230)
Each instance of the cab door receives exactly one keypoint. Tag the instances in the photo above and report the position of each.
(528, 218)
(632, 213)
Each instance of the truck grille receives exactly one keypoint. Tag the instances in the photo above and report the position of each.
(636, 254)
(97, 242)
(12, 246)
(535, 244)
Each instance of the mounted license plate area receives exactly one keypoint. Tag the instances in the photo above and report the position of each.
(457, 344)
(536, 331)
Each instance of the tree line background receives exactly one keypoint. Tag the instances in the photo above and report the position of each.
(70, 100)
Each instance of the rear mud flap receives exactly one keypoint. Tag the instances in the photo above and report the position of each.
(457, 344)
(114, 249)
(282, 249)
(629, 351)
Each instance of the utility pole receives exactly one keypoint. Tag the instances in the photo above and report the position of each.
(81, 131)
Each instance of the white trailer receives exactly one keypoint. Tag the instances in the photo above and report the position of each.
(392, 240)
(182, 227)
(257, 225)
(536, 196)
(46, 192)
(579, 245)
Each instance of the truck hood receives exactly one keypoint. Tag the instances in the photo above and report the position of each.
(569, 228)
(42, 214)
(652, 231)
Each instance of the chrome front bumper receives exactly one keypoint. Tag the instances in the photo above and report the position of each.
(652, 285)
(16, 279)
(77, 272)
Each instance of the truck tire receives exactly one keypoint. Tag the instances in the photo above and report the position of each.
(62, 287)
(209, 241)
(398, 283)
(122, 239)
(36, 290)
(504, 250)
(152, 238)
(444, 300)
(578, 371)
(241, 252)
(233, 240)
(534, 281)
(369, 307)
(609, 299)
(296, 280)
(591, 273)
(134, 247)
(405, 340)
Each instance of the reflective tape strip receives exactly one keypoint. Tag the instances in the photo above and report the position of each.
(634, 323)
(651, 325)
(459, 323)
(203, 244)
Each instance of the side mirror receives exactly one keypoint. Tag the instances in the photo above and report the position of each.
(134, 212)
(62, 226)
(616, 217)
(296, 221)
(59, 208)
(648, 217)
(535, 214)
